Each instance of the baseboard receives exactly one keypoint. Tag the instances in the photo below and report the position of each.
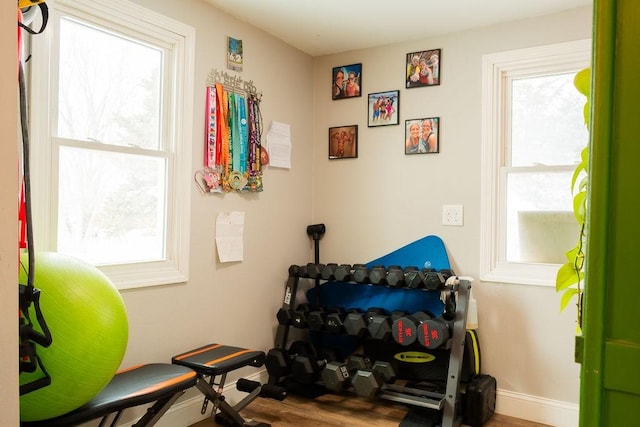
(538, 409)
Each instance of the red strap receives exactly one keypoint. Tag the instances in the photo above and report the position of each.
(22, 219)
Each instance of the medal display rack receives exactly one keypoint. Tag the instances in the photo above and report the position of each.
(233, 152)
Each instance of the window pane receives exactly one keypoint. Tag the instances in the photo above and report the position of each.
(547, 124)
(111, 206)
(541, 226)
(109, 88)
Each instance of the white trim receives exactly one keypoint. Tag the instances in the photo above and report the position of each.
(537, 409)
(495, 69)
(179, 40)
(518, 405)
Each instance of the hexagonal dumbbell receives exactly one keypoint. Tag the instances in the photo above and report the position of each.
(342, 273)
(284, 316)
(313, 270)
(395, 276)
(327, 271)
(360, 273)
(413, 277)
(294, 270)
(300, 316)
(378, 275)
(405, 328)
(316, 319)
(336, 376)
(306, 369)
(355, 323)
(278, 360)
(379, 324)
(367, 382)
(434, 281)
(334, 322)
(434, 332)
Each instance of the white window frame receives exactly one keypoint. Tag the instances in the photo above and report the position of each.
(179, 39)
(497, 69)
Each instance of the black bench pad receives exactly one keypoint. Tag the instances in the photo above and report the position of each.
(128, 388)
(217, 359)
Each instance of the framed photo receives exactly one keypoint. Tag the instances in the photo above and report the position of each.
(343, 142)
(423, 68)
(347, 81)
(422, 136)
(384, 108)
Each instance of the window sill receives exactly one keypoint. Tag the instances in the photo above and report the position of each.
(145, 275)
(522, 274)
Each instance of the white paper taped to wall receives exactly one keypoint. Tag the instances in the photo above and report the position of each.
(279, 145)
(229, 232)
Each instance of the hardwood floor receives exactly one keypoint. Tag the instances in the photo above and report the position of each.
(340, 411)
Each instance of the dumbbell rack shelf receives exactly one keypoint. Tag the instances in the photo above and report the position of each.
(447, 402)
(412, 396)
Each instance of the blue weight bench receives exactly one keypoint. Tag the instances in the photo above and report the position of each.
(161, 384)
(212, 363)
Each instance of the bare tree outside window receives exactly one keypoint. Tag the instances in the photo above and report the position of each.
(112, 174)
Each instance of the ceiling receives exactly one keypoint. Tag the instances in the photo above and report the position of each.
(323, 27)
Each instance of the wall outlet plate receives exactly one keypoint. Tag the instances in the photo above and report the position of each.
(453, 215)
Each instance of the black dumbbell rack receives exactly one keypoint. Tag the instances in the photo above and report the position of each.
(447, 402)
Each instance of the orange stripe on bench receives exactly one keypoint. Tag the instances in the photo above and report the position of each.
(131, 368)
(160, 386)
(202, 350)
(231, 356)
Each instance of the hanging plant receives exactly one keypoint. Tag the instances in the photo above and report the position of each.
(570, 277)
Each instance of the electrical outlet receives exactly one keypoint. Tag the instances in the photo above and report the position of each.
(452, 215)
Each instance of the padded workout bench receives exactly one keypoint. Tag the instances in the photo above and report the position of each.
(216, 360)
(162, 384)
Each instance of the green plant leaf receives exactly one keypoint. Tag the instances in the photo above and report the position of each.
(582, 186)
(566, 277)
(582, 81)
(584, 156)
(572, 254)
(586, 112)
(567, 295)
(579, 206)
(580, 167)
(571, 274)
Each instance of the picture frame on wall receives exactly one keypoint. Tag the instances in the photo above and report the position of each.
(383, 108)
(234, 54)
(343, 142)
(423, 68)
(422, 136)
(347, 81)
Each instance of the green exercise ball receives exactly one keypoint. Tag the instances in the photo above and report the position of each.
(88, 322)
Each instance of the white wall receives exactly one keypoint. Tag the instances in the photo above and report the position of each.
(8, 217)
(234, 303)
(383, 199)
(371, 205)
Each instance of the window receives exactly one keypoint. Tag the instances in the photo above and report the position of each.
(112, 149)
(533, 132)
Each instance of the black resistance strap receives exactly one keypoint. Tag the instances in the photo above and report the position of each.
(29, 296)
